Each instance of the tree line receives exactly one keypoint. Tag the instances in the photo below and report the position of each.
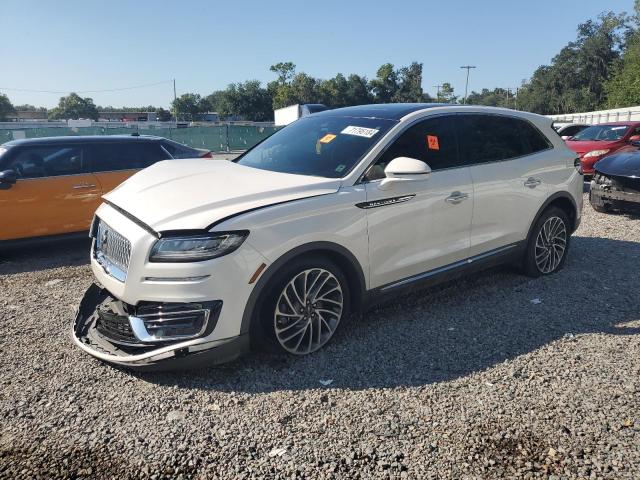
(599, 69)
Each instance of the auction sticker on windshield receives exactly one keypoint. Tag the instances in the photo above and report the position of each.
(327, 138)
(360, 131)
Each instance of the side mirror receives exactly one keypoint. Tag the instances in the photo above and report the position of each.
(404, 169)
(8, 178)
(635, 140)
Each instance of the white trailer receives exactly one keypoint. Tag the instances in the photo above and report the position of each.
(286, 115)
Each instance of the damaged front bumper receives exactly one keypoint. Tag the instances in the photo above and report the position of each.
(152, 336)
(613, 195)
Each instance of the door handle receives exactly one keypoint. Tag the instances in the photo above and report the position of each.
(456, 197)
(532, 182)
(83, 185)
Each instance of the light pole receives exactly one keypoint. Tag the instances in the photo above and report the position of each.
(466, 86)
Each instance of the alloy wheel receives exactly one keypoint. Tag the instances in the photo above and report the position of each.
(308, 311)
(551, 244)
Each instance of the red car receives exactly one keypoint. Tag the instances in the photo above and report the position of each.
(598, 141)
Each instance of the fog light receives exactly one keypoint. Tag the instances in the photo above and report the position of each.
(174, 321)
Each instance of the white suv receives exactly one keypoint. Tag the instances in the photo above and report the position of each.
(199, 259)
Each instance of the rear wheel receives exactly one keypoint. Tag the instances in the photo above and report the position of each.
(548, 244)
(306, 306)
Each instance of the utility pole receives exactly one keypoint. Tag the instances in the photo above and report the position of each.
(515, 97)
(466, 85)
(175, 104)
(438, 94)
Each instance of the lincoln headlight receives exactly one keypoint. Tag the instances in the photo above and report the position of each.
(196, 248)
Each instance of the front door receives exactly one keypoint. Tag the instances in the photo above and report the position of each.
(54, 193)
(419, 226)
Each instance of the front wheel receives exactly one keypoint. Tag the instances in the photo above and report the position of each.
(548, 244)
(600, 208)
(307, 305)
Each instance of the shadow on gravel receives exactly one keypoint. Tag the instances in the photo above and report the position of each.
(54, 254)
(454, 330)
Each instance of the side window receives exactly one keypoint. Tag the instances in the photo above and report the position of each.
(491, 138)
(125, 156)
(571, 131)
(48, 161)
(178, 150)
(534, 139)
(152, 152)
(433, 141)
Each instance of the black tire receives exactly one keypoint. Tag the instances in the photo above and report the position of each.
(264, 333)
(534, 268)
(600, 208)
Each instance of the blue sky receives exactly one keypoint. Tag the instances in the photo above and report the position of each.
(205, 45)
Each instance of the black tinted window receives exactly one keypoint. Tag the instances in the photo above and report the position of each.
(433, 141)
(124, 156)
(47, 161)
(490, 138)
(534, 139)
(571, 131)
(177, 150)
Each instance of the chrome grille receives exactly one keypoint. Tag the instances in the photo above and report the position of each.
(112, 246)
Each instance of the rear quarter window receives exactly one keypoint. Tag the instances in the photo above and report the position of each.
(177, 150)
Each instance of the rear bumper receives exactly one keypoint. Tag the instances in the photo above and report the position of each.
(175, 355)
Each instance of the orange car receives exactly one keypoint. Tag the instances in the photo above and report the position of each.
(52, 186)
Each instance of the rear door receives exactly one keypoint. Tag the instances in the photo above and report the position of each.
(510, 165)
(55, 192)
(114, 162)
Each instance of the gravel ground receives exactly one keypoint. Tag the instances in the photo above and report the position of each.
(471, 380)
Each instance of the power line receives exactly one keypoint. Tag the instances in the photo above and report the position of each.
(86, 91)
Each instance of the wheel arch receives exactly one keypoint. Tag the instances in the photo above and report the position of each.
(562, 200)
(349, 264)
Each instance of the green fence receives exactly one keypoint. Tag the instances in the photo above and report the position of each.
(218, 138)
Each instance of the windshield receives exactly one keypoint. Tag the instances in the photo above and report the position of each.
(601, 132)
(318, 146)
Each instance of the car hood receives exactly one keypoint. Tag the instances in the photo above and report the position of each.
(625, 164)
(193, 194)
(588, 145)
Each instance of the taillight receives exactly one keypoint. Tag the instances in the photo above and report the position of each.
(206, 155)
(578, 164)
